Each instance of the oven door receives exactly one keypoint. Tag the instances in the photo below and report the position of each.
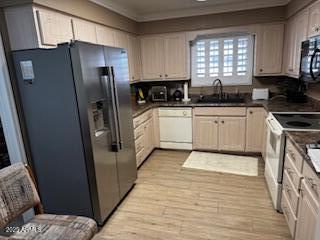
(275, 149)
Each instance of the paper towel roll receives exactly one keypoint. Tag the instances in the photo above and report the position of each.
(186, 94)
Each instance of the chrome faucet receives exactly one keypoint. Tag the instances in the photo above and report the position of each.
(215, 84)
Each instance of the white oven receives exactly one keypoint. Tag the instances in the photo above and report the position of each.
(274, 159)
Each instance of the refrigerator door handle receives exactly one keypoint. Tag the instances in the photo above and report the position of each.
(109, 89)
(117, 106)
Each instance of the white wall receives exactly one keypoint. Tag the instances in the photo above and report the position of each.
(8, 114)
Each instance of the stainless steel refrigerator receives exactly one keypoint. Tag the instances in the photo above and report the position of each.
(77, 111)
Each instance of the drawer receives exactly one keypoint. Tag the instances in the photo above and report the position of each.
(312, 181)
(220, 111)
(138, 132)
(295, 156)
(293, 173)
(137, 121)
(288, 214)
(139, 158)
(139, 144)
(291, 193)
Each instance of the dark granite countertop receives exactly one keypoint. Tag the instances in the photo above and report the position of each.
(276, 104)
(300, 139)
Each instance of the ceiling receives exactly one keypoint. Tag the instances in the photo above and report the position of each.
(148, 10)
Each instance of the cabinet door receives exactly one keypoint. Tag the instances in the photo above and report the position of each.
(84, 31)
(269, 49)
(121, 40)
(255, 129)
(232, 133)
(175, 54)
(288, 52)
(105, 36)
(152, 57)
(134, 57)
(301, 26)
(307, 215)
(148, 137)
(54, 28)
(205, 133)
(156, 133)
(314, 20)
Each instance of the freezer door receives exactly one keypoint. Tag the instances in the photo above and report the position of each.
(126, 162)
(97, 126)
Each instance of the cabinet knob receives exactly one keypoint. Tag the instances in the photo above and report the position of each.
(160, 75)
(132, 77)
(261, 70)
(251, 112)
(222, 122)
(166, 75)
(216, 121)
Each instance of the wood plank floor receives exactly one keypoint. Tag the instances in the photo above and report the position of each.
(172, 203)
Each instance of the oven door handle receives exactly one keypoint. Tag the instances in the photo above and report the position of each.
(272, 128)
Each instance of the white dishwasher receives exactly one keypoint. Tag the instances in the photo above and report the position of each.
(175, 128)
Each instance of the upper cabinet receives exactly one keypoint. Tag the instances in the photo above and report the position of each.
(296, 33)
(84, 31)
(152, 56)
(175, 54)
(314, 20)
(105, 35)
(54, 28)
(134, 58)
(269, 47)
(164, 57)
(120, 40)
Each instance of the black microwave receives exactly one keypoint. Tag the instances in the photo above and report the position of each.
(310, 60)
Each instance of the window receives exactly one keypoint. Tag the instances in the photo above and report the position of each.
(229, 58)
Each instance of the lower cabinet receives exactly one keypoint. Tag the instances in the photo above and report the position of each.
(256, 129)
(308, 214)
(144, 134)
(232, 133)
(226, 131)
(205, 134)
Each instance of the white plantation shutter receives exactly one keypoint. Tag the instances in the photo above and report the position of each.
(229, 58)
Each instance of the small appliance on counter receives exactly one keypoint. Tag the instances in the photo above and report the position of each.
(159, 94)
(260, 94)
(186, 93)
(177, 95)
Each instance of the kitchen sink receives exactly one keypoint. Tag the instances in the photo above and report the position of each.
(226, 98)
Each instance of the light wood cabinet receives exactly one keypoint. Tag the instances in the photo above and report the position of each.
(269, 47)
(152, 56)
(205, 134)
(105, 36)
(314, 20)
(148, 137)
(164, 57)
(134, 58)
(232, 133)
(121, 39)
(54, 28)
(307, 214)
(84, 31)
(144, 134)
(296, 33)
(175, 54)
(255, 133)
(221, 129)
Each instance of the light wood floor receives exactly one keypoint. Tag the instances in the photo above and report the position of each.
(172, 203)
